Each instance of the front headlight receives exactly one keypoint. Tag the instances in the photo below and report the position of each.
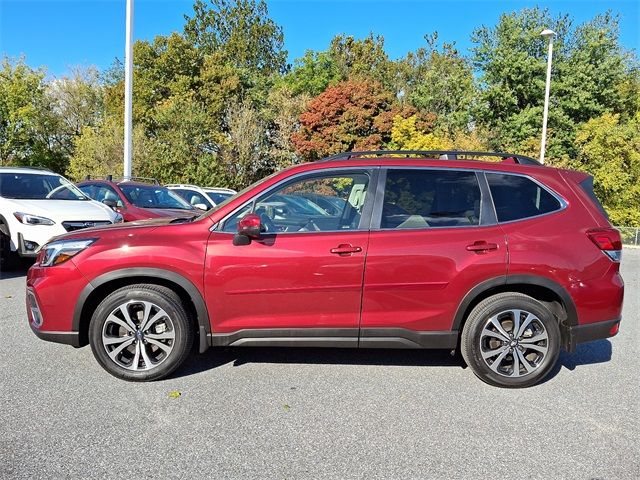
(119, 218)
(60, 251)
(28, 219)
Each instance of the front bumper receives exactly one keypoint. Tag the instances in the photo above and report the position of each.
(589, 332)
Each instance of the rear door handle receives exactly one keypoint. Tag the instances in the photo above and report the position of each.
(481, 247)
(345, 249)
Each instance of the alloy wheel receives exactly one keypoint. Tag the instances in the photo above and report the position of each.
(514, 343)
(138, 335)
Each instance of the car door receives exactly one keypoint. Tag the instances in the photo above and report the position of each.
(305, 273)
(434, 237)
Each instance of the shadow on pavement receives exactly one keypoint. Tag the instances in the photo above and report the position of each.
(585, 354)
(590, 353)
(215, 357)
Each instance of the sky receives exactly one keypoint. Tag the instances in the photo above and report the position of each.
(60, 34)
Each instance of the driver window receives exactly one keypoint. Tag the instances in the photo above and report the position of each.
(314, 204)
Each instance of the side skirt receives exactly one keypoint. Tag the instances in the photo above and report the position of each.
(336, 338)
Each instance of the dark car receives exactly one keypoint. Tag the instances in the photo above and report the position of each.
(136, 200)
(509, 262)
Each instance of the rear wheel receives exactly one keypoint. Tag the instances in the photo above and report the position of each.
(511, 340)
(141, 332)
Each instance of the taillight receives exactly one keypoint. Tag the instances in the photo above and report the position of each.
(608, 240)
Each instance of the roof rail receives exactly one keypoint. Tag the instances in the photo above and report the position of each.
(111, 178)
(442, 154)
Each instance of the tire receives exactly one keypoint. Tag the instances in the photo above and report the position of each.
(502, 358)
(8, 259)
(162, 337)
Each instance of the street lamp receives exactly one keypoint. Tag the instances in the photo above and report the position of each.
(549, 34)
(128, 91)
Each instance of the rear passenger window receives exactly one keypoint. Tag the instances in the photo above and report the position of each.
(430, 198)
(517, 197)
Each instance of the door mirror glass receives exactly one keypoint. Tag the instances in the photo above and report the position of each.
(250, 226)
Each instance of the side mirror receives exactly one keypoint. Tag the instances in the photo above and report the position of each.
(110, 203)
(201, 206)
(250, 226)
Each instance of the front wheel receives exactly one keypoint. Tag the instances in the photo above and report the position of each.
(141, 332)
(511, 340)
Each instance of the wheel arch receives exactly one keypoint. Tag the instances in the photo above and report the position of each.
(104, 284)
(543, 289)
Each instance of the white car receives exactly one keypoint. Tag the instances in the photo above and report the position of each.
(37, 204)
(203, 198)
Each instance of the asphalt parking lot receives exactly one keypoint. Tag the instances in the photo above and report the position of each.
(295, 413)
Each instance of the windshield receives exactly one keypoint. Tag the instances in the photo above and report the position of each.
(219, 197)
(152, 196)
(37, 186)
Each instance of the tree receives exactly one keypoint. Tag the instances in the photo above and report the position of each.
(439, 80)
(313, 73)
(362, 59)
(406, 135)
(350, 115)
(610, 151)
(27, 119)
(99, 150)
(241, 31)
(592, 75)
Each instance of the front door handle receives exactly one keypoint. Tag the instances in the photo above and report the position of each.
(482, 247)
(345, 249)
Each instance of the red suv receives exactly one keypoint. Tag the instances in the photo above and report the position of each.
(509, 262)
(136, 200)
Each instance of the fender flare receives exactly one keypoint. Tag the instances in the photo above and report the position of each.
(204, 325)
(537, 280)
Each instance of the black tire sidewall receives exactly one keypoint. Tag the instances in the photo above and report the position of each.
(476, 323)
(175, 311)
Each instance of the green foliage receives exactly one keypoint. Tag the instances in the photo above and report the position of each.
(313, 73)
(610, 151)
(27, 119)
(439, 80)
(241, 31)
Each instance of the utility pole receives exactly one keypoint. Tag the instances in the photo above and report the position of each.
(128, 91)
(547, 34)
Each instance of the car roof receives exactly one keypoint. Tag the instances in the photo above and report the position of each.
(32, 170)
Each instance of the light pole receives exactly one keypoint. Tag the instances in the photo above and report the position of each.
(128, 90)
(547, 34)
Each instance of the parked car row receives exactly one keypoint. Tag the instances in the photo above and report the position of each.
(37, 205)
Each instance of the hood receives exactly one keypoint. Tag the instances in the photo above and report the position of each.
(64, 210)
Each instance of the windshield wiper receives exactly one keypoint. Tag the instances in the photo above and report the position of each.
(184, 219)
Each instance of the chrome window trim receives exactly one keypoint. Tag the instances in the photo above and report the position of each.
(370, 171)
(431, 228)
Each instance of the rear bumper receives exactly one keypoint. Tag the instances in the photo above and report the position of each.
(589, 332)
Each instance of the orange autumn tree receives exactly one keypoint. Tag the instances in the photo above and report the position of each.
(352, 115)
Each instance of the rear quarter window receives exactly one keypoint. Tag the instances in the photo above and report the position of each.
(516, 197)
